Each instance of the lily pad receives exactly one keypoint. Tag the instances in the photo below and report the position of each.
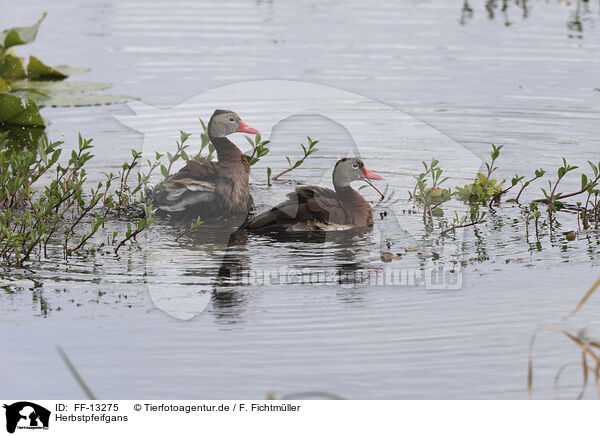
(67, 93)
(20, 111)
(11, 67)
(4, 86)
(37, 70)
(62, 100)
(20, 35)
(71, 70)
(20, 137)
(53, 87)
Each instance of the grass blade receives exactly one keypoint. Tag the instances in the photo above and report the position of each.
(75, 373)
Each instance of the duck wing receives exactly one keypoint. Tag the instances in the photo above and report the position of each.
(191, 187)
(309, 206)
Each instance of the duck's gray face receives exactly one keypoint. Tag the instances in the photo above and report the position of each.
(224, 123)
(349, 170)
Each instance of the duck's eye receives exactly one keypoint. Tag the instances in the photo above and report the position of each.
(355, 165)
(231, 119)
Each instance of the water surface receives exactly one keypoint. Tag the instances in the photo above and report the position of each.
(401, 82)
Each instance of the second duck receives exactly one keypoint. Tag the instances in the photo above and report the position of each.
(313, 208)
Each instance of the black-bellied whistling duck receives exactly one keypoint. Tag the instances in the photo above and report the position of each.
(207, 189)
(312, 208)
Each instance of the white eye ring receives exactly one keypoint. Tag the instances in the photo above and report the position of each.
(355, 165)
(231, 119)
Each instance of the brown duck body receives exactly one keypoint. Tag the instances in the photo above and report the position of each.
(312, 208)
(207, 189)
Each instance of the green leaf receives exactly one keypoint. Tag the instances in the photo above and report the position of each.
(65, 94)
(71, 70)
(42, 153)
(54, 87)
(20, 35)
(4, 86)
(21, 111)
(11, 68)
(437, 212)
(36, 69)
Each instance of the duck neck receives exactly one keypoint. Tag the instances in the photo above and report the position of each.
(347, 194)
(345, 191)
(227, 151)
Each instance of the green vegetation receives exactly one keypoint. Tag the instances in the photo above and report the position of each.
(484, 188)
(431, 196)
(307, 151)
(59, 216)
(259, 150)
(47, 209)
(486, 192)
(26, 87)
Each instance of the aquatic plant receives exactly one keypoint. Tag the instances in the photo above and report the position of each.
(551, 196)
(538, 174)
(259, 150)
(480, 191)
(25, 87)
(57, 211)
(486, 192)
(307, 151)
(431, 196)
(180, 153)
(484, 188)
(474, 217)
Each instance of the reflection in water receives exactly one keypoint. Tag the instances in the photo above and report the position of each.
(582, 8)
(314, 258)
(580, 12)
(228, 301)
(492, 6)
(508, 238)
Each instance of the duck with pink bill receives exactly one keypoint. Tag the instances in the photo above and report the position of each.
(207, 189)
(313, 208)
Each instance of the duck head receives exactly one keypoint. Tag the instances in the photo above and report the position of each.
(223, 123)
(350, 169)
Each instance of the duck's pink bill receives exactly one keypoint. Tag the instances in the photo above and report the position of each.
(370, 175)
(244, 128)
